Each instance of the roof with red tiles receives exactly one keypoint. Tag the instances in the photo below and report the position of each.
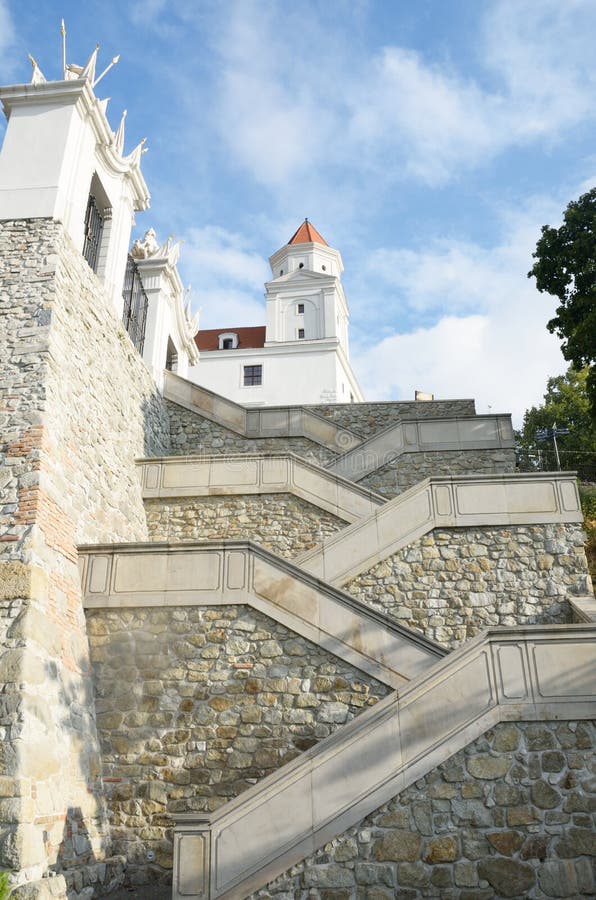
(254, 336)
(306, 234)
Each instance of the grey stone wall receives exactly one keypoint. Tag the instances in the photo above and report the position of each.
(282, 523)
(196, 704)
(450, 584)
(78, 406)
(367, 419)
(410, 468)
(190, 433)
(512, 815)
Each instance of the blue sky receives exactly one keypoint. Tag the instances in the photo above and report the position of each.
(428, 141)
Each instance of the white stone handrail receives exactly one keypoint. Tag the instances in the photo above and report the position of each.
(583, 608)
(272, 421)
(200, 476)
(461, 501)
(425, 435)
(234, 572)
(536, 673)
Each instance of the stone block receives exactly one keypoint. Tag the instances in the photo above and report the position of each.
(508, 877)
(19, 581)
(506, 842)
(398, 846)
(441, 850)
(487, 767)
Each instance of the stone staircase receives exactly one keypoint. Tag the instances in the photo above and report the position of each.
(505, 674)
(439, 701)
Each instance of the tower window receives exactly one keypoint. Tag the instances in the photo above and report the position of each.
(300, 332)
(93, 232)
(300, 265)
(171, 357)
(252, 375)
(300, 309)
(324, 268)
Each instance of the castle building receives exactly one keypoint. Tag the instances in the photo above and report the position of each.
(301, 355)
(335, 650)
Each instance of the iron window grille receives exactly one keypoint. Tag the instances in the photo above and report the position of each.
(93, 232)
(134, 316)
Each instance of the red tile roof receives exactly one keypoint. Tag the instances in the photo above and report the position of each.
(208, 339)
(307, 234)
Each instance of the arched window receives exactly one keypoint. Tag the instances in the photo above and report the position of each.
(228, 340)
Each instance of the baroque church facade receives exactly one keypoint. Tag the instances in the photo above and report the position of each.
(260, 644)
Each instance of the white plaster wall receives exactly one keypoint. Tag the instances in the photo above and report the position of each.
(296, 374)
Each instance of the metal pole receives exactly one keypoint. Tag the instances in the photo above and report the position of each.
(556, 448)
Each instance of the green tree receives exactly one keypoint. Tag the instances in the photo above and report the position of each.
(566, 403)
(566, 268)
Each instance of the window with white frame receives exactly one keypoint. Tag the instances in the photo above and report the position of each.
(228, 340)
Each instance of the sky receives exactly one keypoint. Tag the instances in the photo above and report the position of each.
(427, 140)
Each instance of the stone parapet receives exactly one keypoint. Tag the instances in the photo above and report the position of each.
(507, 816)
(459, 434)
(269, 422)
(219, 573)
(444, 502)
(516, 674)
(197, 476)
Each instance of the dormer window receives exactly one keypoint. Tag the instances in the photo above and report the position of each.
(228, 340)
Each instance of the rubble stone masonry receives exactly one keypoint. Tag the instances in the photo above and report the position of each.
(512, 815)
(285, 524)
(196, 704)
(78, 406)
(408, 469)
(452, 583)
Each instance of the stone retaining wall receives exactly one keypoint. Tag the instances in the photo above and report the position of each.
(452, 583)
(410, 468)
(367, 419)
(282, 523)
(512, 815)
(196, 704)
(79, 406)
(191, 433)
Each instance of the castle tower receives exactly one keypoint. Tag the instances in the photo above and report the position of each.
(305, 299)
(301, 356)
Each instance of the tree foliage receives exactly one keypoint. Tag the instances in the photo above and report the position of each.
(566, 268)
(566, 403)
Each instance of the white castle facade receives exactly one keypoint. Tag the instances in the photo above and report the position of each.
(250, 647)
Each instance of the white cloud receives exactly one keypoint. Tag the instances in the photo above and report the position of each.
(327, 103)
(227, 278)
(495, 347)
